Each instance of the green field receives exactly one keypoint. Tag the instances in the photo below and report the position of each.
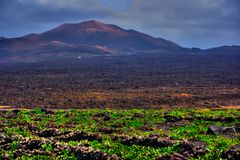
(118, 134)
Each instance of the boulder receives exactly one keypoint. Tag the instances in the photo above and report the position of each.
(216, 130)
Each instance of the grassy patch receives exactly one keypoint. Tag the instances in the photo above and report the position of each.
(109, 123)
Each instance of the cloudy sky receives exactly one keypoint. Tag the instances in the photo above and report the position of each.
(190, 23)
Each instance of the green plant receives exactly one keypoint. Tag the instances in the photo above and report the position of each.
(47, 147)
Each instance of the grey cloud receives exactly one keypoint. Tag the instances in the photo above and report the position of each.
(203, 23)
(188, 20)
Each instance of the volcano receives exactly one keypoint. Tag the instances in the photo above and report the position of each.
(86, 39)
(89, 39)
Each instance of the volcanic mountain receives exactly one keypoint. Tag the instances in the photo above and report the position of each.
(88, 39)
(91, 38)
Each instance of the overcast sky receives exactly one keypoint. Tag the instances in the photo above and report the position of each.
(190, 23)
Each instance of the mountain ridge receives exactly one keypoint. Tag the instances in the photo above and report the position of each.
(85, 39)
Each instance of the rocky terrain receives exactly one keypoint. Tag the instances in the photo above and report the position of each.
(120, 134)
(153, 81)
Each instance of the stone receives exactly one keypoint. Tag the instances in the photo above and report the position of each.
(216, 130)
(231, 154)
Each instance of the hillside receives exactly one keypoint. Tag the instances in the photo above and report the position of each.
(86, 39)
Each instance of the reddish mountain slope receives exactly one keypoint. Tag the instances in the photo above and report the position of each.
(91, 38)
(111, 36)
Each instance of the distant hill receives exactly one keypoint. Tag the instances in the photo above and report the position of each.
(91, 38)
(86, 39)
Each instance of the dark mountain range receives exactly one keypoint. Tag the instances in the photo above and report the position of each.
(86, 39)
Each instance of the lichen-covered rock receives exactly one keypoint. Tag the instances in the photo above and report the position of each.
(232, 154)
(52, 132)
(6, 140)
(82, 152)
(170, 118)
(175, 156)
(107, 130)
(79, 135)
(192, 148)
(187, 150)
(104, 116)
(147, 141)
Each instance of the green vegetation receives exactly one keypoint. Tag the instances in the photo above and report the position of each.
(187, 125)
